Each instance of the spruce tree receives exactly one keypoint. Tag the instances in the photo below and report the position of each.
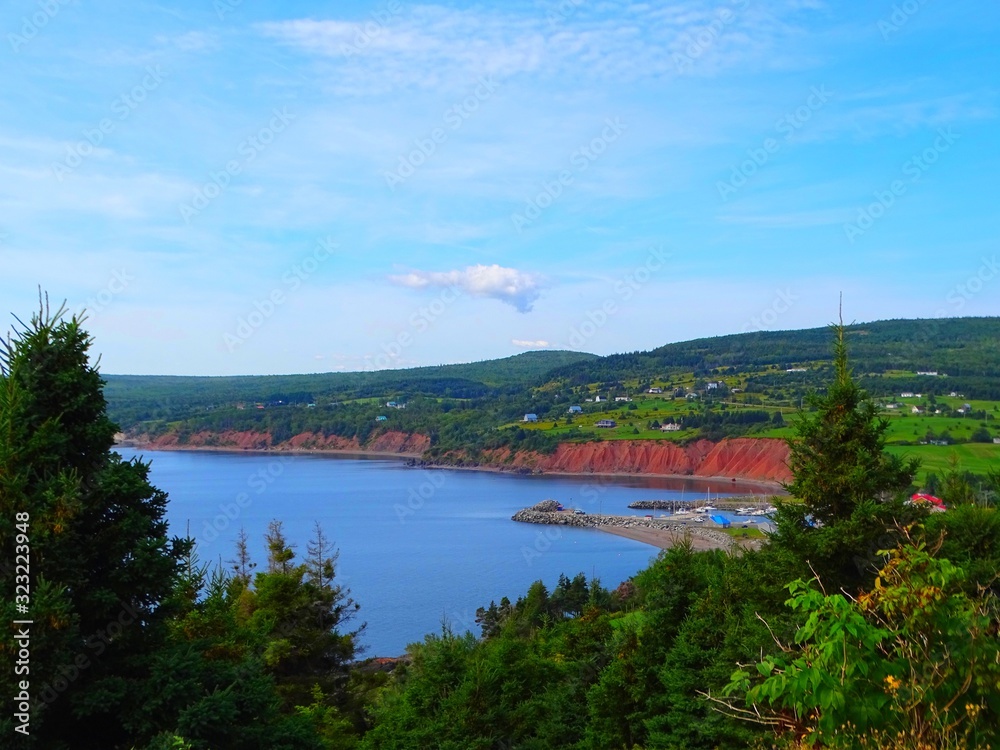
(850, 491)
(837, 455)
(102, 564)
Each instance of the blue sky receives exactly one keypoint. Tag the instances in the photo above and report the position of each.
(257, 187)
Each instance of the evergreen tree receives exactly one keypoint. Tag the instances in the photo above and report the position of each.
(102, 565)
(837, 455)
(851, 491)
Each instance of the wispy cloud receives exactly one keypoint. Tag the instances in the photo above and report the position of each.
(516, 288)
(430, 46)
(527, 344)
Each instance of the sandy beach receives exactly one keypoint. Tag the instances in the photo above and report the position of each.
(663, 539)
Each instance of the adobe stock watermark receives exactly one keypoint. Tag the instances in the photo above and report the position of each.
(563, 11)
(579, 160)
(123, 106)
(898, 18)
(419, 322)
(452, 120)
(786, 125)
(248, 150)
(914, 169)
(97, 643)
(117, 284)
(697, 44)
(32, 25)
(419, 495)
(292, 279)
(541, 544)
(224, 7)
(624, 290)
(961, 293)
(365, 33)
(259, 482)
(784, 300)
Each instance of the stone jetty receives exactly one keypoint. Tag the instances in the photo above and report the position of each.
(726, 503)
(545, 512)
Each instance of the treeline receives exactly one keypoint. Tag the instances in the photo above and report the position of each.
(136, 398)
(961, 347)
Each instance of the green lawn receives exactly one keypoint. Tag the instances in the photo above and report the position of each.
(974, 457)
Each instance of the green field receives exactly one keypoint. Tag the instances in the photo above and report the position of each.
(975, 457)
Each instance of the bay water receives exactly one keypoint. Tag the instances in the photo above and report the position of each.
(418, 547)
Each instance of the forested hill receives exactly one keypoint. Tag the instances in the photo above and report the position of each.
(955, 346)
(132, 398)
(729, 386)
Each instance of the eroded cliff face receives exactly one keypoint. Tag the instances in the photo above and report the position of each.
(760, 459)
(386, 442)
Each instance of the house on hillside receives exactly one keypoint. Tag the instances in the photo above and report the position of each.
(711, 386)
(691, 395)
(931, 373)
(576, 410)
(530, 418)
(906, 394)
(622, 398)
(608, 423)
(916, 410)
(670, 427)
(996, 441)
(655, 390)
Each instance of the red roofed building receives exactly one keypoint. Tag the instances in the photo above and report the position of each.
(936, 503)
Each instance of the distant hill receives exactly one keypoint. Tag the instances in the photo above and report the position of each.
(132, 398)
(960, 347)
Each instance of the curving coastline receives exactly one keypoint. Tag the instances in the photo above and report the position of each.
(758, 460)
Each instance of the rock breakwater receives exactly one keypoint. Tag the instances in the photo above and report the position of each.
(666, 526)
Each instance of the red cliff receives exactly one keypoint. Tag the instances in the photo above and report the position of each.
(760, 459)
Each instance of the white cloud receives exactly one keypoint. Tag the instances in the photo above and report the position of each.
(517, 288)
(525, 344)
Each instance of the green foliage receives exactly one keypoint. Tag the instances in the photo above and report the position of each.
(102, 566)
(914, 661)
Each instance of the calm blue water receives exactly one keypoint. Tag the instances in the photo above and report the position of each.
(417, 547)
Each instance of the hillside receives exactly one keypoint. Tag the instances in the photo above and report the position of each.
(937, 381)
(134, 398)
(964, 348)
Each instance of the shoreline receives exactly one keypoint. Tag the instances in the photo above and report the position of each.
(360, 452)
(718, 480)
(764, 483)
(661, 539)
